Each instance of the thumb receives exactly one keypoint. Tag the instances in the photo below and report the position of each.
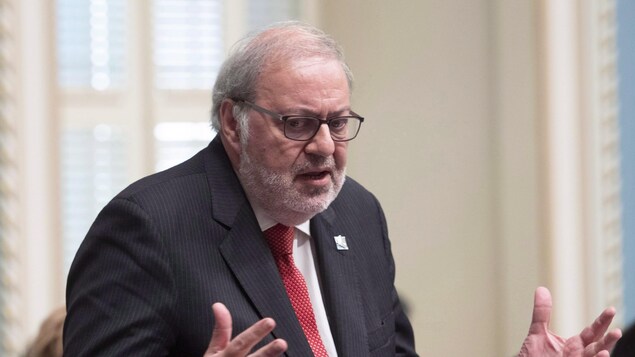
(221, 335)
(542, 311)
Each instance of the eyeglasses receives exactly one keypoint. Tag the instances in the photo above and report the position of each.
(304, 128)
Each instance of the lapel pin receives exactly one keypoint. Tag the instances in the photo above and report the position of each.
(340, 242)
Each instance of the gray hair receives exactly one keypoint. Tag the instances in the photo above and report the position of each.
(250, 56)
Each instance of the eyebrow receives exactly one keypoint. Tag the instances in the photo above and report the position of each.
(311, 113)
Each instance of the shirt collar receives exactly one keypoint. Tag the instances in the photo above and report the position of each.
(265, 222)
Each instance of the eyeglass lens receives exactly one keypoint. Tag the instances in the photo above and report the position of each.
(304, 128)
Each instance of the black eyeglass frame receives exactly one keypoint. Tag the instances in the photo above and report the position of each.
(284, 118)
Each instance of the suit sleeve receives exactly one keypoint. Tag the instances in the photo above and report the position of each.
(120, 288)
(404, 335)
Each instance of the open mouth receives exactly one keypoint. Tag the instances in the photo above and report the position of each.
(318, 175)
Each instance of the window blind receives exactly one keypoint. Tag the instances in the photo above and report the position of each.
(90, 43)
(94, 169)
(188, 43)
(606, 127)
(263, 12)
(11, 334)
(177, 141)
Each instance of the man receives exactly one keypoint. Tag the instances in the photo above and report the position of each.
(212, 230)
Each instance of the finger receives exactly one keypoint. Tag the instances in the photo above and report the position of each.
(597, 329)
(611, 339)
(246, 340)
(542, 311)
(273, 349)
(606, 343)
(222, 333)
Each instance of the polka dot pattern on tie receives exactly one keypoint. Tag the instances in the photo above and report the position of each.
(280, 240)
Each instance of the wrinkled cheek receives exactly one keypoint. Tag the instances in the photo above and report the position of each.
(340, 156)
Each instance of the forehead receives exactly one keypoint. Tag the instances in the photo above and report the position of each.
(311, 76)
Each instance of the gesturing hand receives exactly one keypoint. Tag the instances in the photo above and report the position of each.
(593, 341)
(221, 344)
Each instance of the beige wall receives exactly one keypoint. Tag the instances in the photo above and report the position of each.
(432, 78)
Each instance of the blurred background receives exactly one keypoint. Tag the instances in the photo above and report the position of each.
(500, 139)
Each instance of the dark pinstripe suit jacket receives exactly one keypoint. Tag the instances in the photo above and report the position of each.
(171, 244)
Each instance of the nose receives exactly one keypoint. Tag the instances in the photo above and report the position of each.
(322, 143)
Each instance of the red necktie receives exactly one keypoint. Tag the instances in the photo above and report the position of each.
(280, 239)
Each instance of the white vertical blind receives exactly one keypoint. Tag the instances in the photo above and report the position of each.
(11, 335)
(188, 43)
(177, 141)
(605, 158)
(263, 12)
(90, 43)
(93, 171)
(90, 57)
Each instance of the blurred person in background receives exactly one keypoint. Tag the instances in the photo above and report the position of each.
(48, 342)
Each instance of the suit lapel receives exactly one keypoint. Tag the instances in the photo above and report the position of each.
(340, 287)
(249, 258)
(247, 254)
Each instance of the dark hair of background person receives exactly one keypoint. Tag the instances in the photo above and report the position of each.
(48, 342)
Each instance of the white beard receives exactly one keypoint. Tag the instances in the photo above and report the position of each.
(276, 194)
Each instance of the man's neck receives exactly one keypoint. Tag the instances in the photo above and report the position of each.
(266, 220)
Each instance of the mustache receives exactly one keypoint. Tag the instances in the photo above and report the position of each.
(315, 162)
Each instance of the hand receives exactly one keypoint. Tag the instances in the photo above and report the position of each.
(593, 341)
(221, 344)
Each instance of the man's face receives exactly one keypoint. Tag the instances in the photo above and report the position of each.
(294, 180)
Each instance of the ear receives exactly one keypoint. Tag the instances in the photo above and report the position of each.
(229, 129)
